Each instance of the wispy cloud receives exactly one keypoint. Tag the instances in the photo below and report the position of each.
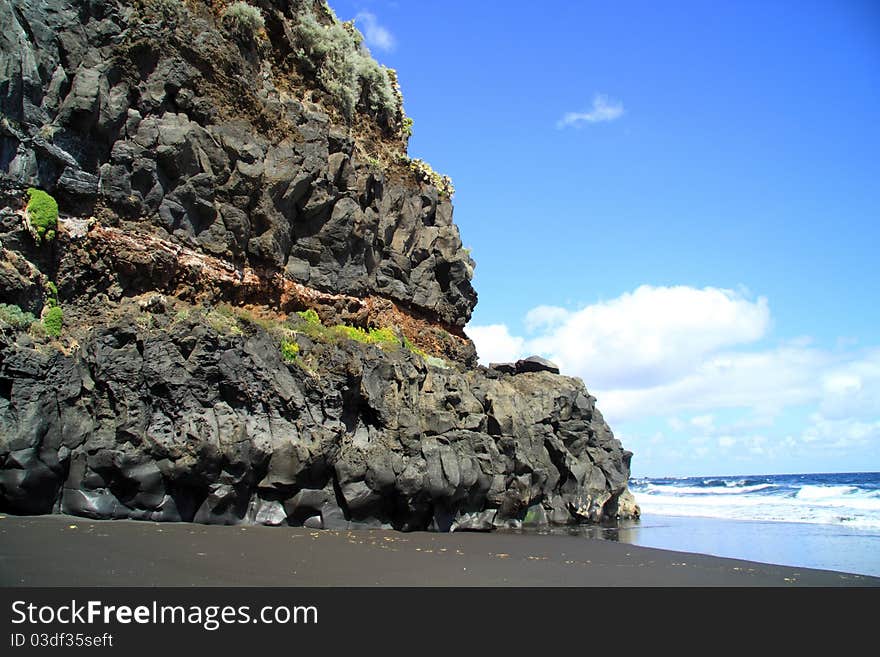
(604, 109)
(375, 34)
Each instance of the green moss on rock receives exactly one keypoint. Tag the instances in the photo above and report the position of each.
(53, 320)
(42, 212)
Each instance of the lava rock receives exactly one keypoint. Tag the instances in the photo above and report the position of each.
(179, 418)
(536, 364)
(100, 122)
(153, 406)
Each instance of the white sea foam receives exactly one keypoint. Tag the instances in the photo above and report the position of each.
(837, 505)
(824, 492)
(707, 490)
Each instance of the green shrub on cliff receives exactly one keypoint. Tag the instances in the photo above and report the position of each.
(53, 320)
(382, 337)
(425, 173)
(310, 316)
(335, 55)
(308, 323)
(407, 127)
(289, 351)
(51, 294)
(16, 317)
(243, 20)
(42, 212)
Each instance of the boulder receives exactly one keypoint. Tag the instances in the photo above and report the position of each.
(536, 364)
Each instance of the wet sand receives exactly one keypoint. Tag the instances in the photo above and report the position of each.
(70, 551)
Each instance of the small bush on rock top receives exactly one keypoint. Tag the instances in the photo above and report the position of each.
(310, 316)
(289, 351)
(42, 212)
(16, 317)
(243, 20)
(308, 323)
(335, 55)
(425, 173)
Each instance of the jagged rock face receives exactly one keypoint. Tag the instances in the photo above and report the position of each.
(184, 165)
(161, 417)
(119, 110)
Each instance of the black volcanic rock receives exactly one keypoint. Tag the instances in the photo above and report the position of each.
(191, 170)
(180, 422)
(108, 105)
(536, 364)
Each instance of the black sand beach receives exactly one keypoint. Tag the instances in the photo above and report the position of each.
(70, 551)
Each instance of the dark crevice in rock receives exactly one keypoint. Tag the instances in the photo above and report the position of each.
(6, 388)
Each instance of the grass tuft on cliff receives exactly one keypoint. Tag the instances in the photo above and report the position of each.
(411, 347)
(229, 320)
(309, 324)
(42, 213)
(383, 337)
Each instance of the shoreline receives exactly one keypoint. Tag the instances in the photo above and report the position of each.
(58, 550)
(793, 544)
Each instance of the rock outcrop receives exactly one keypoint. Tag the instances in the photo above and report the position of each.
(263, 297)
(116, 108)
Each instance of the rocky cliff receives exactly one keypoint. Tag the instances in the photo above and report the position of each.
(251, 305)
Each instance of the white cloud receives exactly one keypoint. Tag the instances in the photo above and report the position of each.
(495, 343)
(604, 109)
(840, 434)
(764, 381)
(840, 383)
(375, 34)
(697, 361)
(651, 335)
(853, 387)
(544, 317)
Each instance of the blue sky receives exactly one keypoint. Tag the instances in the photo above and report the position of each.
(697, 240)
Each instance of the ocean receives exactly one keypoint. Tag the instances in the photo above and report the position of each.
(825, 521)
(850, 500)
